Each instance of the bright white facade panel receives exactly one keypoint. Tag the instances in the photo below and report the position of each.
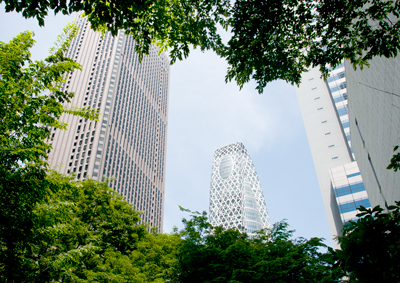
(324, 108)
(325, 136)
(349, 190)
(236, 197)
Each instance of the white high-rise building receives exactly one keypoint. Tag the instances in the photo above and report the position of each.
(236, 197)
(374, 99)
(129, 141)
(325, 113)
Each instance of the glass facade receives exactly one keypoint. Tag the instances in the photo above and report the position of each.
(236, 197)
(347, 188)
(129, 141)
(324, 107)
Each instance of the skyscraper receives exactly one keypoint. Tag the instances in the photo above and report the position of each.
(324, 109)
(129, 141)
(236, 197)
(374, 100)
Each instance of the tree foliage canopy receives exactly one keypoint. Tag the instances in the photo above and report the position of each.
(86, 232)
(56, 229)
(211, 254)
(281, 39)
(270, 40)
(30, 103)
(395, 160)
(174, 24)
(370, 246)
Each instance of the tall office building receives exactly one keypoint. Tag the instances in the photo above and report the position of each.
(236, 197)
(374, 100)
(324, 108)
(129, 141)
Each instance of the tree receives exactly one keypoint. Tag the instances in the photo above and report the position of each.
(52, 227)
(176, 24)
(211, 254)
(270, 39)
(86, 232)
(31, 99)
(370, 246)
(281, 39)
(30, 103)
(395, 161)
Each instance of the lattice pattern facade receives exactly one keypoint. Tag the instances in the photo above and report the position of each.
(236, 197)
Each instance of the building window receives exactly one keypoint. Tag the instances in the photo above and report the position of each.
(353, 175)
(354, 205)
(349, 189)
(346, 124)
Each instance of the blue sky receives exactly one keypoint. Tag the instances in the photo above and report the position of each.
(205, 113)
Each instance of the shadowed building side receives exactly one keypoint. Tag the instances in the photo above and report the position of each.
(374, 99)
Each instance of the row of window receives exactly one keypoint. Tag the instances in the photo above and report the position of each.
(74, 48)
(340, 98)
(83, 147)
(112, 165)
(108, 105)
(132, 120)
(338, 76)
(252, 226)
(341, 86)
(95, 93)
(353, 175)
(349, 189)
(324, 122)
(152, 64)
(132, 182)
(138, 121)
(345, 123)
(342, 110)
(354, 205)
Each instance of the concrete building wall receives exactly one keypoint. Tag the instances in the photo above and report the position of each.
(326, 138)
(374, 109)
